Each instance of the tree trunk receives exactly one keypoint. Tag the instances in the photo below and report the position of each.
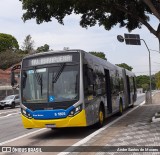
(158, 36)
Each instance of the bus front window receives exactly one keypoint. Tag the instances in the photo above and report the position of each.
(34, 83)
(52, 84)
(65, 87)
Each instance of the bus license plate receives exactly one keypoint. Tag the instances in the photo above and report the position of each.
(50, 125)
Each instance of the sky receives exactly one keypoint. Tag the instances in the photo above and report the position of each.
(72, 35)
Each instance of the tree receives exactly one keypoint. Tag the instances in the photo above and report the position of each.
(44, 48)
(8, 42)
(143, 82)
(99, 54)
(108, 13)
(9, 58)
(124, 65)
(28, 44)
(157, 79)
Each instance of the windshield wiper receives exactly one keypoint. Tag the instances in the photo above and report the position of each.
(55, 78)
(39, 79)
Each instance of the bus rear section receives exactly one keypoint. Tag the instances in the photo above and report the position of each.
(51, 93)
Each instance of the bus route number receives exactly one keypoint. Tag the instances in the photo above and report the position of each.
(60, 114)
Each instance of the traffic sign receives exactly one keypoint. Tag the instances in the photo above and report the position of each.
(132, 39)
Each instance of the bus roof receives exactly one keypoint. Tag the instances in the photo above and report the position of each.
(97, 59)
(51, 52)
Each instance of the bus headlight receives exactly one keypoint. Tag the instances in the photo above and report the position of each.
(75, 111)
(25, 113)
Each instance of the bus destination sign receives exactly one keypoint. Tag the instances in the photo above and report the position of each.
(50, 60)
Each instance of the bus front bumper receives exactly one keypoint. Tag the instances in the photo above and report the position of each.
(78, 120)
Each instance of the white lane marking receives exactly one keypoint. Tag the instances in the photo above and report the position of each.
(9, 111)
(11, 140)
(9, 115)
(141, 104)
(86, 139)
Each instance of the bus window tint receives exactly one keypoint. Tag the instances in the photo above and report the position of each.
(131, 84)
(66, 86)
(121, 84)
(115, 85)
(35, 85)
(99, 83)
(88, 81)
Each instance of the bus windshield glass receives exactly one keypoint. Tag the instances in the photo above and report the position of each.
(53, 84)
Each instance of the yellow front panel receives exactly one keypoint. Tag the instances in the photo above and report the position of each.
(77, 120)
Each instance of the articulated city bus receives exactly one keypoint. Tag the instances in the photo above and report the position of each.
(72, 88)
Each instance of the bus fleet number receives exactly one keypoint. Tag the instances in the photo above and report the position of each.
(60, 114)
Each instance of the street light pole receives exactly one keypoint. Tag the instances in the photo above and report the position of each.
(137, 38)
(150, 78)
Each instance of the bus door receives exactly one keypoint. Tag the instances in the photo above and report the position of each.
(115, 90)
(108, 91)
(128, 90)
(135, 91)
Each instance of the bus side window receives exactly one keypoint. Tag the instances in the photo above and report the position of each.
(85, 78)
(88, 81)
(115, 85)
(121, 85)
(90, 77)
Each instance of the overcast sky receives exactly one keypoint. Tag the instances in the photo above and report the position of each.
(75, 37)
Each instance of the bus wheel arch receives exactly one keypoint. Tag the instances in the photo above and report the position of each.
(101, 115)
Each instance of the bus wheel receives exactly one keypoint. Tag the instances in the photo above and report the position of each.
(101, 118)
(132, 105)
(120, 109)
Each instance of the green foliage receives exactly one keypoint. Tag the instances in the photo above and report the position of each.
(124, 65)
(145, 86)
(8, 42)
(157, 80)
(28, 44)
(99, 54)
(153, 82)
(44, 48)
(9, 58)
(143, 82)
(106, 13)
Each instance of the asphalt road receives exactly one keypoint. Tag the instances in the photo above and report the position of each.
(10, 124)
(12, 132)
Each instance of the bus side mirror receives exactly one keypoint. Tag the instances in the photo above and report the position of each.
(13, 80)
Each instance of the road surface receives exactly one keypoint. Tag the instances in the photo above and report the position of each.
(12, 132)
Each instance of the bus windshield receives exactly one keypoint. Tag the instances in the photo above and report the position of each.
(53, 84)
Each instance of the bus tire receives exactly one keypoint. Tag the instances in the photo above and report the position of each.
(101, 117)
(120, 109)
(132, 105)
(29, 128)
(13, 105)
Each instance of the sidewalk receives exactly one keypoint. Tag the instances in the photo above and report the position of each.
(135, 129)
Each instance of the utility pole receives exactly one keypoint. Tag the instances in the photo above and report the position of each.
(134, 39)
